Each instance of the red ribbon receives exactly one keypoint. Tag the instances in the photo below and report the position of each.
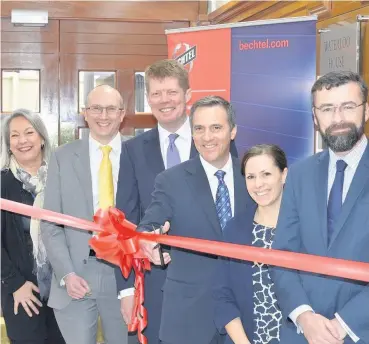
(118, 243)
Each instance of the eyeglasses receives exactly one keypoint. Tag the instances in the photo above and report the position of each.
(98, 110)
(345, 108)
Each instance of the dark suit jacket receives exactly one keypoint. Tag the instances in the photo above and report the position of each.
(233, 287)
(141, 161)
(302, 227)
(183, 197)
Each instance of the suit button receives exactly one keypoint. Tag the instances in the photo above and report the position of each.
(84, 261)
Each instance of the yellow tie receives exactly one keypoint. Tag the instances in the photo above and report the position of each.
(106, 186)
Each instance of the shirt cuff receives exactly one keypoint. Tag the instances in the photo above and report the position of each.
(62, 282)
(296, 313)
(352, 335)
(126, 292)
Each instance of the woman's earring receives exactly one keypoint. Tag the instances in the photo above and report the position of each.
(42, 146)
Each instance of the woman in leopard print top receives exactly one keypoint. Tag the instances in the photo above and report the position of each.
(246, 305)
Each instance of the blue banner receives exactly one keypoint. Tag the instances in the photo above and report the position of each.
(273, 67)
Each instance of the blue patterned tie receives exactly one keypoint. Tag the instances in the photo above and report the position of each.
(335, 197)
(222, 200)
(172, 152)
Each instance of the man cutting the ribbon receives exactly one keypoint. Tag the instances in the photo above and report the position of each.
(196, 199)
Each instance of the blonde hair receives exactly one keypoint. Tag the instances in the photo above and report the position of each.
(167, 69)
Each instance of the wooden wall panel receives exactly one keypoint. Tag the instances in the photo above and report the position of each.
(139, 121)
(112, 49)
(150, 10)
(38, 48)
(27, 36)
(39, 40)
(104, 27)
(109, 62)
(112, 38)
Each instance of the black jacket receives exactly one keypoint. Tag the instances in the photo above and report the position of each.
(17, 261)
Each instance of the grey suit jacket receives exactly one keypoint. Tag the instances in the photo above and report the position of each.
(68, 191)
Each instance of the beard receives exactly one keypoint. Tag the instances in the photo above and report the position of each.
(344, 141)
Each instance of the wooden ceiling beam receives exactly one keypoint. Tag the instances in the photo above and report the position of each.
(238, 11)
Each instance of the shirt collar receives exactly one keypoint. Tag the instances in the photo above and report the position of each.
(115, 144)
(210, 169)
(352, 159)
(184, 131)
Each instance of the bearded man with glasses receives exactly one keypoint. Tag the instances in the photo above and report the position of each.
(324, 212)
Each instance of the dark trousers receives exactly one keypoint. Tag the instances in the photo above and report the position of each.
(38, 329)
(218, 339)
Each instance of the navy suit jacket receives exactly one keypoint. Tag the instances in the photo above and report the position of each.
(302, 227)
(233, 286)
(183, 197)
(140, 162)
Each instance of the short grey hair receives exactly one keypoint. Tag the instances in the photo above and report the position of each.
(36, 123)
(211, 101)
(339, 78)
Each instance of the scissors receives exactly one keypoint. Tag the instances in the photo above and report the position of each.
(158, 246)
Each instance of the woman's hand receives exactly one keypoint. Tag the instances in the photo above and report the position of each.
(24, 296)
(236, 332)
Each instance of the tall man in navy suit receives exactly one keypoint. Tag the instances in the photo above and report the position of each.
(325, 212)
(142, 159)
(196, 199)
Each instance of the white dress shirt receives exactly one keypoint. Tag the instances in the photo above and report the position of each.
(352, 160)
(214, 182)
(183, 141)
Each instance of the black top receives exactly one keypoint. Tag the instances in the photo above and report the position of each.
(17, 263)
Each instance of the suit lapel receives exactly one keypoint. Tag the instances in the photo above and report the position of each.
(193, 152)
(200, 188)
(240, 192)
(81, 164)
(321, 190)
(153, 153)
(359, 182)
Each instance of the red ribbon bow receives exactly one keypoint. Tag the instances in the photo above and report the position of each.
(119, 245)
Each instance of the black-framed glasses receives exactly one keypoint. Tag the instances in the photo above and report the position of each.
(98, 110)
(345, 108)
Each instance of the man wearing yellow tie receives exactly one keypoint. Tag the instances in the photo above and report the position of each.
(82, 178)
